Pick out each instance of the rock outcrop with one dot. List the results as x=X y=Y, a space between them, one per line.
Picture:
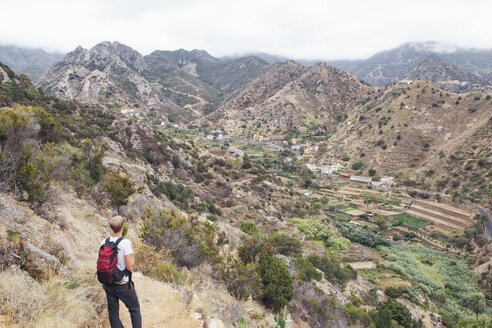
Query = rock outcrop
x=108 y=71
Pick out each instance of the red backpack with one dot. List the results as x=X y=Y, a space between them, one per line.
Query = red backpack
x=107 y=270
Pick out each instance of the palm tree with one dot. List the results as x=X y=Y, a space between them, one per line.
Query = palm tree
x=476 y=303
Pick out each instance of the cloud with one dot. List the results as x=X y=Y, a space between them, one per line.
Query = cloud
x=298 y=29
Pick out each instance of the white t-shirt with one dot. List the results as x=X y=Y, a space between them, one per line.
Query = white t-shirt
x=124 y=248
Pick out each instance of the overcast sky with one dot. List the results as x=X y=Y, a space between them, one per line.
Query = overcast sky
x=302 y=29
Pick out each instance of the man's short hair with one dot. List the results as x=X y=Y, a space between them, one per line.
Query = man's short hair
x=116 y=223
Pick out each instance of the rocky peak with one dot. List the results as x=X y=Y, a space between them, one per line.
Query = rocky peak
x=79 y=55
x=109 y=50
x=109 y=71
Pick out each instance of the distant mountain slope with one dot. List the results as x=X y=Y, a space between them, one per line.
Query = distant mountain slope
x=269 y=58
x=88 y=75
x=195 y=79
x=182 y=83
x=389 y=66
x=32 y=62
x=429 y=137
x=108 y=73
x=175 y=74
x=445 y=75
x=291 y=97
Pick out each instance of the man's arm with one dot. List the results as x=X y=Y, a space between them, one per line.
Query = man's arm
x=130 y=262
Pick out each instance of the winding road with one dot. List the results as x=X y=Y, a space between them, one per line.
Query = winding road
x=487 y=223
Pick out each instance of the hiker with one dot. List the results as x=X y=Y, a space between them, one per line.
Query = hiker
x=115 y=272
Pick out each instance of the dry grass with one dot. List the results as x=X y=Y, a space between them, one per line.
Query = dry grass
x=160 y=304
x=49 y=304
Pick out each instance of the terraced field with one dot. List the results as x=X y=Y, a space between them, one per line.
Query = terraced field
x=442 y=215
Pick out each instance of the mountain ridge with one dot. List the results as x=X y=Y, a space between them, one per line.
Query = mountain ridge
x=389 y=66
x=30 y=61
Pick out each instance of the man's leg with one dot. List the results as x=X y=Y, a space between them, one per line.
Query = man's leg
x=113 y=308
x=128 y=296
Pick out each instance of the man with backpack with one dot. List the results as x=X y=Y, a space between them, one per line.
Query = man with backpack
x=114 y=270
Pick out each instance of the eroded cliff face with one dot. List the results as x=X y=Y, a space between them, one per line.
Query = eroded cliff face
x=108 y=71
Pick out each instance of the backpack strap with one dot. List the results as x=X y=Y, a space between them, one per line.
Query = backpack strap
x=117 y=241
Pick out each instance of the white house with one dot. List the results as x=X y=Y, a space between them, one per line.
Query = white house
x=327 y=170
x=129 y=112
x=311 y=167
x=388 y=180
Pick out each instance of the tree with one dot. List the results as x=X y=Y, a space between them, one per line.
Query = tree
x=372 y=172
x=357 y=165
x=277 y=282
x=283 y=244
x=119 y=189
x=241 y=279
x=398 y=312
x=249 y=228
x=251 y=247
x=382 y=318
x=476 y=303
x=381 y=224
x=176 y=161
x=306 y=270
x=307 y=182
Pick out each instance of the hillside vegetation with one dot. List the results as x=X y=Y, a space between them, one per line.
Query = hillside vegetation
x=240 y=231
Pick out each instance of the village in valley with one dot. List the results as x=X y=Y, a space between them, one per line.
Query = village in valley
x=369 y=201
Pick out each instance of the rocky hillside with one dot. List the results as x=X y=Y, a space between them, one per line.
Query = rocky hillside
x=217 y=233
x=178 y=84
x=389 y=66
x=32 y=62
x=445 y=76
x=432 y=138
x=294 y=97
x=107 y=73
x=194 y=79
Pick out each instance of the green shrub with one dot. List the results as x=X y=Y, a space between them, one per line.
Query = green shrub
x=277 y=283
x=119 y=189
x=241 y=280
x=283 y=244
x=306 y=270
x=176 y=161
x=177 y=193
x=357 y=165
x=332 y=269
x=251 y=247
x=398 y=311
x=356 y=314
x=249 y=228
x=382 y=318
x=33 y=176
x=394 y=292
x=314 y=229
x=190 y=242
x=167 y=272
x=361 y=236
x=212 y=208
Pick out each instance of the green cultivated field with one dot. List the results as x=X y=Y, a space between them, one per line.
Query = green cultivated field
x=412 y=220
